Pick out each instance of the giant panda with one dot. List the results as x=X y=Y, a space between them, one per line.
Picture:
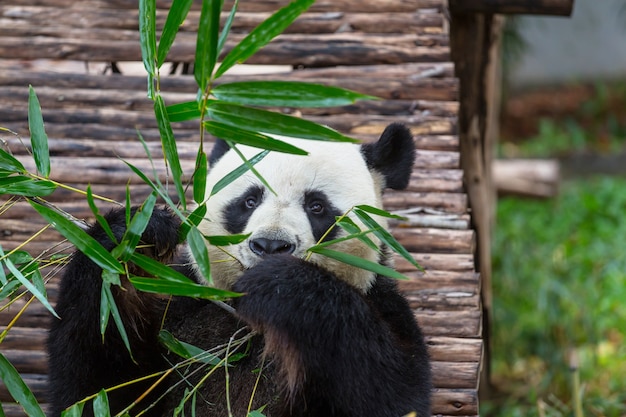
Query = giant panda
x=320 y=338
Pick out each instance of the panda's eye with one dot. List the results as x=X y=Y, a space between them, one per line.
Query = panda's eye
x=316 y=207
x=250 y=202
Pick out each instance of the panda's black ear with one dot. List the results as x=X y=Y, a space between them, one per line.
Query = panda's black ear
x=392 y=155
x=219 y=149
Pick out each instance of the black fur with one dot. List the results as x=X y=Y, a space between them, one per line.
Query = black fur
x=238 y=211
x=320 y=219
x=329 y=349
x=219 y=149
x=392 y=155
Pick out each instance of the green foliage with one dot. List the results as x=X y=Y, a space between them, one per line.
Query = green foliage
x=559 y=289
x=599 y=125
x=18 y=390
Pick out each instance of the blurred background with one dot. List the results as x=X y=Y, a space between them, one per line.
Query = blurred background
x=559 y=252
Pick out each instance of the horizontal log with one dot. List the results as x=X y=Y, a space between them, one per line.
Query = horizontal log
x=25 y=338
x=436 y=97
x=436 y=221
x=437 y=142
x=437 y=261
x=460 y=323
x=454 y=402
x=436 y=240
x=444 y=280
x=444 y=300
x=317 y=22
x=408 y=6
x=90 y=148
x=295 y=50
x=408 y=71
x=426 y=159
x=455 y=374
x=443 y=202
x=454 y=349
x=541 y=7
x=27 y=361
x=539 y=178
x=448 y=180
x=115 y=124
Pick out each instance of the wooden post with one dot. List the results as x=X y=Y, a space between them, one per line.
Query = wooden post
x=543 y=7
x=475 y=44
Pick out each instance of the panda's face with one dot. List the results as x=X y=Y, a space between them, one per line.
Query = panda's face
x=307 y=194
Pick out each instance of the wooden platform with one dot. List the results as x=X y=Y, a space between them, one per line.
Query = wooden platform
x=398 y=51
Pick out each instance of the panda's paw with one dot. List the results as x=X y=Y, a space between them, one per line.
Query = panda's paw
x=159 y=239
x=161 y=236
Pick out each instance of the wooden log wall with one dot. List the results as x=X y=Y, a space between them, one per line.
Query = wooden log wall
x=399 y=51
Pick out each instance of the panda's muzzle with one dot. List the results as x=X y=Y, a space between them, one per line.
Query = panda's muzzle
x=263 y=246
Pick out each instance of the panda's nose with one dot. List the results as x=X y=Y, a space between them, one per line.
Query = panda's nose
x=263 y=246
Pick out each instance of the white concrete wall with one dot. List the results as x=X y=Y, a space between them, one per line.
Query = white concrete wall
x=590 y=44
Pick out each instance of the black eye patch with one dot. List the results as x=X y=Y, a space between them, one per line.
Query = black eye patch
x=238 y=211
x=321 y=214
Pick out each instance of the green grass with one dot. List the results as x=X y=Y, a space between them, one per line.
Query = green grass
x=559 y=286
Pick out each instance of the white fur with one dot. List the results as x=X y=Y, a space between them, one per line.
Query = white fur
x=336 y=169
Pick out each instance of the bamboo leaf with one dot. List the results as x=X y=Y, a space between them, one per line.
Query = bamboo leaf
x=83 y=242
x=75 y=410
x=8 y=163
x=181 y=112
x=20 y=185
x=105 y=308
x=99 y=218
x=147 y=37
x=39 y=295
x=197 y=244
x=194 y=219
x=157 y=269
x=237 y=172
x=18 y=389
x=386 y=237
x=114 y=311
x=188 y=289
x=186 y=350
x=175 y=18
x=286 y=94
x=169 y=147
x=263 y=34
x=101 y=405
x=353 y=230
x=250 y=138
x=38 y=137
x=271 y=122
x=206 y=44
x=227 y=25
x=135 y=229
x=199 y=177
x=227 y=240
x=379 y=212
x=155 y=187
x=358 y=262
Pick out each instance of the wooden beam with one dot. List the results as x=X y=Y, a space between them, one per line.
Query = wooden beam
x=541 y=7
